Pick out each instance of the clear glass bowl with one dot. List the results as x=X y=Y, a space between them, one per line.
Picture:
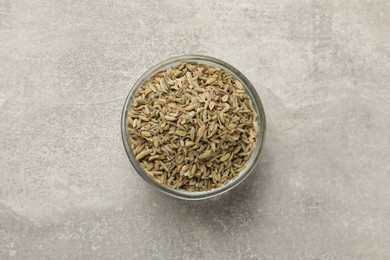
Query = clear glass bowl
x=257 y=105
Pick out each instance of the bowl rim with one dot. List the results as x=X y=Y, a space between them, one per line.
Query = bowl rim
x=256 y=102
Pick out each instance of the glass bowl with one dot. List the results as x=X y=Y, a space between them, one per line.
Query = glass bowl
x=257 y=105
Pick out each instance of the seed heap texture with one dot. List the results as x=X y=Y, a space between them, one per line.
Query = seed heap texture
x=192 y=127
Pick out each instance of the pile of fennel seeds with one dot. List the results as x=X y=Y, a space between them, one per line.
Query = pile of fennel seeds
x=192 y=127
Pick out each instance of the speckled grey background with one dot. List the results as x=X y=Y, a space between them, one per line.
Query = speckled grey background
x=321 y=190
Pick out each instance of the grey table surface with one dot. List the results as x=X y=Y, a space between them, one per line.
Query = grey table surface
x=320 y=191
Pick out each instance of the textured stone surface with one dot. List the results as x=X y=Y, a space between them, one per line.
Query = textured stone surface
x=321 y=190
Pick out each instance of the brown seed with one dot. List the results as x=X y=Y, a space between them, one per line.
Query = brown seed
x=213 y=146
x=256 y=126
x=225 y=157
x=201 y=131
x=143 y=154
x=170 y=118
x=155 y=141
x=192 y=133
x=213 y=132
x=153 y=157
x=143 y=118
x=211 y=105
x=239 y=85
x=135 y=123
x=181 y=133
x=189 y=143
x=146 y=134
x=200 y=124
x=211 y=80
x=190 y=107
x=205 y=154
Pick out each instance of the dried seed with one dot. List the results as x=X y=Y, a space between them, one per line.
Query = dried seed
x=200 y=122
x=211 y=80
x=205 y=154
x=226 y=108
x=211 y=105
x=239 y=85
x=143 y=154
x=190 y=143
x=135 y=123
x=153 y=157
x=170 y=118
x=140 y=102
x=191 y=114
x=213 y=132
x=190 y=107
x=146 y=134
x=256 y=126
x=213 y=147
x=155 y=141
x=244 y=154
x=192 y=133
x=153 y=88
x=193 y=169
x=209 y=71
x=225 y=157
x=181 y=133
x=201 y=131
x=143 y=118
